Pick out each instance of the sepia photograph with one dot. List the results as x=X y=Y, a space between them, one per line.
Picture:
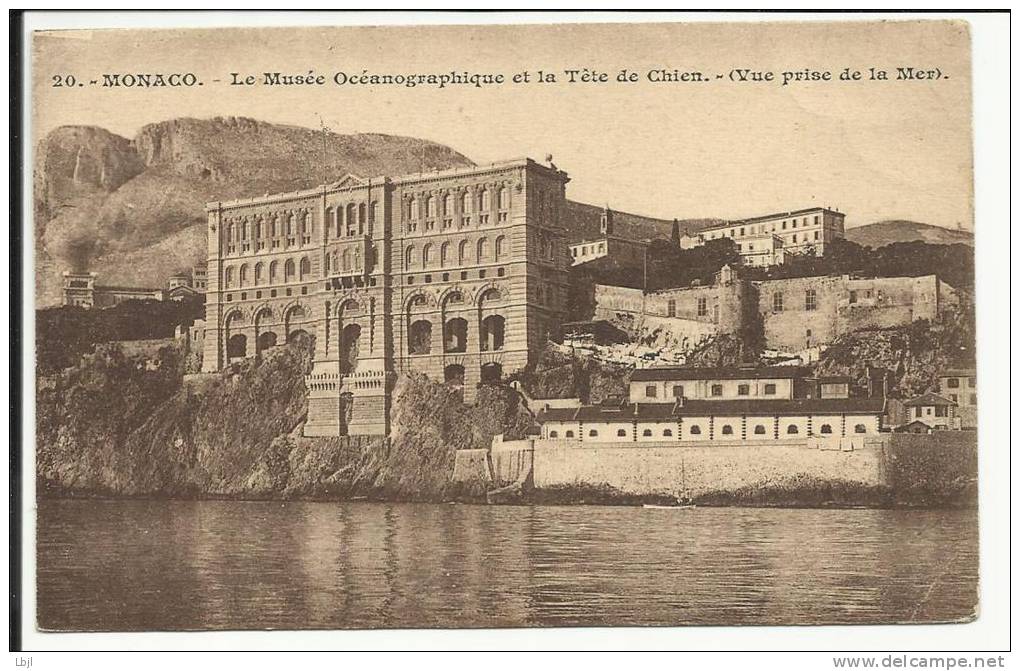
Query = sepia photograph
x=498 y=325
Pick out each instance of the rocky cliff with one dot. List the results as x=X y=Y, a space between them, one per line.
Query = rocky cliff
x=124 y=422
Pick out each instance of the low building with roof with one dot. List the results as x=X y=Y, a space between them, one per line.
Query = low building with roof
x=708 y=420
x=933 y=410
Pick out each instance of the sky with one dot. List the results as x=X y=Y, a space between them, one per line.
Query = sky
x=873 y=149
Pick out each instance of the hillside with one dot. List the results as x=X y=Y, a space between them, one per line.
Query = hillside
x=582 y=223
x=884 y=233
x=102 y=200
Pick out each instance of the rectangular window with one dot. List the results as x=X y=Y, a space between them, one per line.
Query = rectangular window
x=940 y=411
x=743 y=389
x=809 y=300
x=954 y=398
x=716 y=390
x=853 y=296
x=770 y=389
x=678 y=391
x=671 y=308
x=777 y=302
x=973 y=399
x=953 y=383
x=702 y=307
x=917 y=411
x=971 y=382
x=816 y=220
x=650 y=391
x=816 y=235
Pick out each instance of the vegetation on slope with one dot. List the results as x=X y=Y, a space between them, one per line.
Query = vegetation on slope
x=64 y=333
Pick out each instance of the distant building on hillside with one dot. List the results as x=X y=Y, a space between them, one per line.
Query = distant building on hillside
x=768 y=240
x=608 y=244
x=81 y=289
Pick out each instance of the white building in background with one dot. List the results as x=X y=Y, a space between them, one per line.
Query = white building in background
x=768 y=239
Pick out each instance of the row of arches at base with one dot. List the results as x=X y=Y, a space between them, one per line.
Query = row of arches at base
x=491 y=335
x=237 y=344
x=454 y=374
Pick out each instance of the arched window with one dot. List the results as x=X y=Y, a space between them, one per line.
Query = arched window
x=483 y=200
x=695 y=430
x=242 y=275
x=228 y=232
x=792 y=429
x=444 y=253
x=275 y=226
x=290 y=225
x=621 y=433
x=259 y=230
x=667 y=433
x=338 y=215
x=274 y=271
x=306 y=267
x=593 y=433
x=345 y=260
x=462 y=252
x=420 y=337
x=500 y=247
x=825 y=429
x=306 y=220
x=491 y=333
x=759 y=430
x=430 y=207
x=326 y=263
x=259 y=273
x=409 y=257
x=554 y=434
x=412 y=208
x=504 y=198
x=860 y=428
x=569 y=434
x=727 y=430
x=465 y=203
x=244 y=229
x=362 y=218
x=647 y=433
x=447 y=205
x=374 y=211
x=357 y=258
x=228 y=277
x=483 y=250
x=288 y=270
x=427 y=255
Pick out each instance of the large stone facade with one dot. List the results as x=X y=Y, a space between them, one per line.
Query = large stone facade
x=795 y=313
x=458 y=274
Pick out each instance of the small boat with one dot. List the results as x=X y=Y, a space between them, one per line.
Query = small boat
x=683 y=499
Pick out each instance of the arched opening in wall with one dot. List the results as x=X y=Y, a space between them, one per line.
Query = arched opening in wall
x=792 y=429
x=266 y=341
x=860 y=428
x=491 y=373
x=237 y=347
x=295 y=313
x=759 y=430
x=454 y=374
x=826 y=429
x=455 y=335
x=300 y=338
x=350 y=343
x=419 y=337
x=727 y=430
x=491 y=334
